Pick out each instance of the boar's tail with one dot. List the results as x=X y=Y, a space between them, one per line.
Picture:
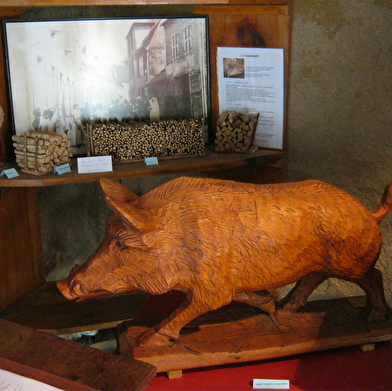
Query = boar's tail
x=385 y=204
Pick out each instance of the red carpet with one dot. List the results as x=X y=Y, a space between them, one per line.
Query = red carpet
x=343 y=369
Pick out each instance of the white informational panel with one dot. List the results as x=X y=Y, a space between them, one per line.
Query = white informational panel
x=13 y=382
x=251 y=80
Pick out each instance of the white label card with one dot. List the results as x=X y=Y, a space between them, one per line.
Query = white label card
x=268 y=384
x=94 y=164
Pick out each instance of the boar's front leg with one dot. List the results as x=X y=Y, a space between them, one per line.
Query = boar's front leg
x=168 y=331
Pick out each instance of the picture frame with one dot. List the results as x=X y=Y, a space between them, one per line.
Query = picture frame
x=63 y=74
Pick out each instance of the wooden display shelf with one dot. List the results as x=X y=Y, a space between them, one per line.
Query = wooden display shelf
x=211 y=161
x=271 y=18
x=237 y=334
x=22 y=262
x=66 y=364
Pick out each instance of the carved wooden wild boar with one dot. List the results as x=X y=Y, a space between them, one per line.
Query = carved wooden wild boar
x=219 y=241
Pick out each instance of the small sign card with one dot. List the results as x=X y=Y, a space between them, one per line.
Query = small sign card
x=265 y=384
x=88 y=165
x=62 y=169
x=10 y=173
x=150 y=161
x=14 y=382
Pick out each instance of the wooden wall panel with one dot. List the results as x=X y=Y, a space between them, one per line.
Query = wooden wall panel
x=21 y=257
x=271 y=22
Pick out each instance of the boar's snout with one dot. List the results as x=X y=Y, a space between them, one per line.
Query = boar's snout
x=65 y=290
x=74 y=290
x=67 y=286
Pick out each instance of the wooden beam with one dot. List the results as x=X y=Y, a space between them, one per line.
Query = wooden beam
x=68 y=365
x=32 y=3
x=243 y=9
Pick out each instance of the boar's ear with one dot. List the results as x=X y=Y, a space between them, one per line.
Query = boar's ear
x=117 y=191
x=120 y=200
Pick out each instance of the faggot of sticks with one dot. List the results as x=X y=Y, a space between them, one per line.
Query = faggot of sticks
x=136 y=141
x=235 y=132
x=39 y=152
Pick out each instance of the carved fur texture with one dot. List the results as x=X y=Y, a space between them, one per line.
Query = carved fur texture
x=219 y=241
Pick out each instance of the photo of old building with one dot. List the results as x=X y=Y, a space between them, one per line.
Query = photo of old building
x=64 y=74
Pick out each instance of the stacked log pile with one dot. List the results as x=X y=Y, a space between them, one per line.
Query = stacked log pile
x=136 y=141
x=235 y=132
x=39 y=152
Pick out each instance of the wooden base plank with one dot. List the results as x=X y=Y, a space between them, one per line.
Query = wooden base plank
x=35 y=172
x=66 y=364
x=252 y=335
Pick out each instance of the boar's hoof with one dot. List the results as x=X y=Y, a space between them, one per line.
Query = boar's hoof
x=377 y=314
x=288 y=306
x=150 y=338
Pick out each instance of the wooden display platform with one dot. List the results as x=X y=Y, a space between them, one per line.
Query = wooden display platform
x=236 y=334
x=46 y=309
x=211 y=161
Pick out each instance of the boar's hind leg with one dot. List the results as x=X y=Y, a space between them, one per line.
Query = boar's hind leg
x=261 y=299
x=298 y=296
x=376 y=306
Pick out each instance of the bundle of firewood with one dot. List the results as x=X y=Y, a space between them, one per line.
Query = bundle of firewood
x=235 y=132
x=39 y=152
x=136 y=141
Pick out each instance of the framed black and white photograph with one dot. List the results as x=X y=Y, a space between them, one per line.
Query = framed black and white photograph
x=64 y=74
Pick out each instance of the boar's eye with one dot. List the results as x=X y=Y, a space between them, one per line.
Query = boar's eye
x=121 y=246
